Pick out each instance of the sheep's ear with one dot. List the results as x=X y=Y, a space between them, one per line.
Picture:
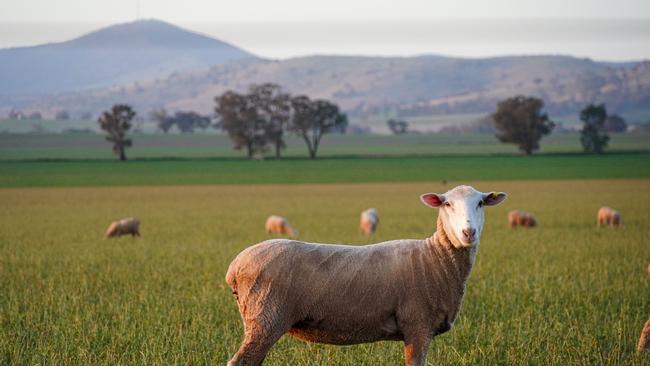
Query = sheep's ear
x=493 y=198
x=432 y=199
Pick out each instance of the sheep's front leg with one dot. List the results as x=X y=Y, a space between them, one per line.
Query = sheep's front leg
x=416 y=347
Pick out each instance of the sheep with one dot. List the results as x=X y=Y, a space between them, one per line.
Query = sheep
x=609 y=216
x=121 y=227
x=369 y=221
x=279 y=225
x=521 y=218
x=648 y=268
x=406 y=290
x=644 y=339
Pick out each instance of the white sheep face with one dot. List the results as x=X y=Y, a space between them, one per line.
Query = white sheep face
x=461 y=210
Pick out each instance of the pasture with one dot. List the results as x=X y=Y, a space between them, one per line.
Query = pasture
x=189 y=146
x=565 y=293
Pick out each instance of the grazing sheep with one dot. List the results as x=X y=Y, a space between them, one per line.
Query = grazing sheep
x=521 y=218
x=279 y=225
x=408 y=290
x=609 y=216
x=644 y=340
x=126 y=226
x=648 y=268
x=369 y=221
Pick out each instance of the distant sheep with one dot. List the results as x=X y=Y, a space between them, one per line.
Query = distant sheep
x=128 y=226
x=406 y=290
x=369 y=221
x=609 y=216
x=521 y=218
x=648 y=268
x=280 y=226
x=644 y=340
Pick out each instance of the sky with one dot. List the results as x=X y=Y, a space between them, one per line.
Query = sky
x=607 y=30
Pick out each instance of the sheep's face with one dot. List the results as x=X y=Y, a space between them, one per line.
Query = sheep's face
x=461 y=210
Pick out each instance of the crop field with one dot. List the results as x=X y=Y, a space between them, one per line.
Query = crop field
x=565 y=293
x=93 y=146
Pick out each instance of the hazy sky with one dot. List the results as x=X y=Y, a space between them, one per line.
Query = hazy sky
x=600 y=29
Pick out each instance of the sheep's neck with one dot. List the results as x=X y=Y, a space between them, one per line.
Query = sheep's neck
x=447 y=245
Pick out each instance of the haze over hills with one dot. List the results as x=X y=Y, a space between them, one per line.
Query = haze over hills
x=118 y=54
x=362 y=86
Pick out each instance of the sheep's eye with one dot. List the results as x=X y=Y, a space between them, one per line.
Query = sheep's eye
x=447 y=204
x=480 y=204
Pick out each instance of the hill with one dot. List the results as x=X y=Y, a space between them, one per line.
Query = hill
x=117 y=54
x=407 y=87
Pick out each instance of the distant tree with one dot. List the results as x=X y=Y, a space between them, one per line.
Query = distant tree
x=163 y=121
x=274 y=107
x=397 y=127
x=313 y=119
x=520 y=120
x=86 y=116
x=186 y=122
x=35 y=115
x=593 y=136
x=117 y=123
x=615 y=123
x=239 y=118
x=15 y=114
x=62 y=115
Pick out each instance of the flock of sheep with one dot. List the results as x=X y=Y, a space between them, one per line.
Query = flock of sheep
x=328 y=293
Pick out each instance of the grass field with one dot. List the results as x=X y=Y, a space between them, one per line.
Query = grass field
x=563 y=294
x=89 y=146
x=332 y=170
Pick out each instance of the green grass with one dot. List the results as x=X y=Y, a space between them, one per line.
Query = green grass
x=562 y=294
x=333 y=170
x=89 y=146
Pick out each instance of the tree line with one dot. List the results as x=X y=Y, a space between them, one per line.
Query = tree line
x=254 y=120
x=520 y=120
x=262 y=117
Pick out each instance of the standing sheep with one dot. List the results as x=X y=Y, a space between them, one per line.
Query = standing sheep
x=609 y=216
x=521 y=218
x=128 y=226
x=328 y=293
x=644 y=340
x=369 y=221
x=279 y=225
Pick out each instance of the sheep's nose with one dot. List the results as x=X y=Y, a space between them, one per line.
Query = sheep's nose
x=469 y=233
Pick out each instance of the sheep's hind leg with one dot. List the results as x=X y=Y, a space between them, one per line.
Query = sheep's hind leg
x=258 y=340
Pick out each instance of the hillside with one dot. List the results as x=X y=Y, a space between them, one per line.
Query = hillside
x=118 y=54
x=367 y=86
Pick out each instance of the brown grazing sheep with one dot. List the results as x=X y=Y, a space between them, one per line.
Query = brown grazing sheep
x=521 y=218
x=128 y=226
x=644 y=340
x=280 y=226
x=369 y=221
x=406 y=290
x=609 y=216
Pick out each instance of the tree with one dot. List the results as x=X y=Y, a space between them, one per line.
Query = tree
x=273 y=106
x=239 y=118
x=615 y=123
x=313 y=119
x=186 y=122
x=86 y=116
x=35 y=115
x=117 y=123
x=520 y=120
x=163 y=121
x=593 y=136
x=62 y=115
x=397 y=127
